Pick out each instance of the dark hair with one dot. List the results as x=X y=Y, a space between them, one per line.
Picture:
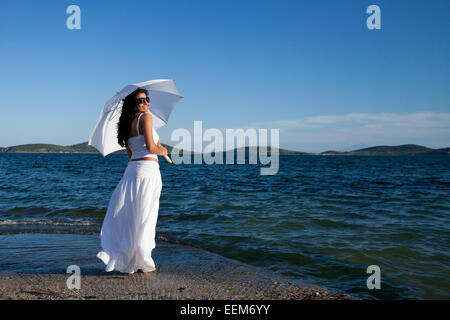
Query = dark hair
x=129 y=109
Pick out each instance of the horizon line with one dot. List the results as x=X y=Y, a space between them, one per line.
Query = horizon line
x=235 y=148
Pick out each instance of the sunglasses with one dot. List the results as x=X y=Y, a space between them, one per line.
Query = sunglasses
x=142 y=100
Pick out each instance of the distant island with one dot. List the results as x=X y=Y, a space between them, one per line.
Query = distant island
x=406 y=149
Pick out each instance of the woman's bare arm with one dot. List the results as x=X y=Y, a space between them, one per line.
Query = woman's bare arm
x=161 y=146
x=148 y=136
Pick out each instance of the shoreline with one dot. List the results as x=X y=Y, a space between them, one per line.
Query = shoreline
x=428 y=154
x=183 y=272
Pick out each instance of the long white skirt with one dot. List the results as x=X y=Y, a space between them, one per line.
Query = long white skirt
x=128 y=229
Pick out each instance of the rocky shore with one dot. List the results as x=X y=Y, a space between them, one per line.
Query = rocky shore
x=182 y=273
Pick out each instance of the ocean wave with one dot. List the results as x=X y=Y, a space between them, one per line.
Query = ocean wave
x=49 y=222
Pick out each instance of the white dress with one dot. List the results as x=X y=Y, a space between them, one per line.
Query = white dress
x=128 y=229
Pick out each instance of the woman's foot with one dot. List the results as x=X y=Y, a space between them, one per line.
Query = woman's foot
x=151 y=270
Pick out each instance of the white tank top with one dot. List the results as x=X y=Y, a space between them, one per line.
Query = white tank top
x=138 y=146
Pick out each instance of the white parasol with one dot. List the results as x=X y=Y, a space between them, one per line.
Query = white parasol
x=163 y=97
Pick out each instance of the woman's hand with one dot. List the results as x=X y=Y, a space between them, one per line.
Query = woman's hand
x=163 y=151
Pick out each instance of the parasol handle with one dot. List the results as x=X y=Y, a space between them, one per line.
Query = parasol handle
x=167 y=158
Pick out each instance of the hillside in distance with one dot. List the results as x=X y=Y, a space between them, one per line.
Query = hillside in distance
x=53 y=148
x=85 y=148
x=406 y=149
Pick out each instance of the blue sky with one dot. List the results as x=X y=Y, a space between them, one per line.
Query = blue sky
x=309 y=68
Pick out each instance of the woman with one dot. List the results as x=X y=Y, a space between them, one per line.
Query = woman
x=128 y=230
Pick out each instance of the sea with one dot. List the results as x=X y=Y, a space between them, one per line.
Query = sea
x=329 y=220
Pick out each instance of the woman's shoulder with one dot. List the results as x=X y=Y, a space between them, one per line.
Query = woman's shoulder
x=146 y=116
